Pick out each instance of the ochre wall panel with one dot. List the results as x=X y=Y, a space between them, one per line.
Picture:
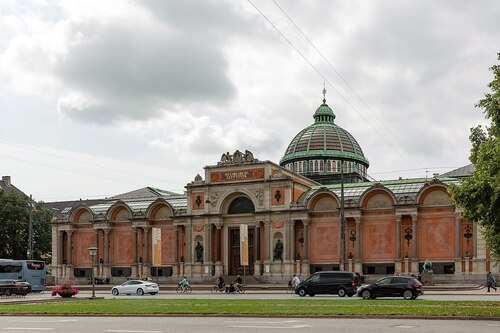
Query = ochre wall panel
x=82 y=240
x=325 y=247
x=296 y=194
x=122 y=247
x=167 y=241
x=378 y=242
x=436 y=237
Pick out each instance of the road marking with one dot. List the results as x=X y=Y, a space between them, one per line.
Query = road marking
x=273 y=327
x=29 y=328
x=263 y=322
x=42 y=321
x=404 y=326
x=277 y=324
x=132 y=331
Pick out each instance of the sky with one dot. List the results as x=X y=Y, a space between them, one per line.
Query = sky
x=98 y=98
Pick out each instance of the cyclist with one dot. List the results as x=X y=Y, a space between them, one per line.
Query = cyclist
x=184 y=282
x=237 y=283
x=295 y=281
x=220 y=283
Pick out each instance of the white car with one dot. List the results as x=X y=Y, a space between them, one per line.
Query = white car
x=138 y=287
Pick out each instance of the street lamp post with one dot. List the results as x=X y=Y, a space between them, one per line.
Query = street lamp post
x=30 y=229
x=93 y=252
x=342 y=218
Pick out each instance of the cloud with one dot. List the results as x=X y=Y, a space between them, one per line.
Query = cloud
x=106 y=68
x=178 y=83
x=197 y=137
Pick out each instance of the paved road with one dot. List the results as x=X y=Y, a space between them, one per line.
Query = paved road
x=235 y=324
x=475 y=295
x=470 y=296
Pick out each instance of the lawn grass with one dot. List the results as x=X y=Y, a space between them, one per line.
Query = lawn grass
x=272 y=307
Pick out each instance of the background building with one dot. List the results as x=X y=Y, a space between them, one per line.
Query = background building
x=315 y=211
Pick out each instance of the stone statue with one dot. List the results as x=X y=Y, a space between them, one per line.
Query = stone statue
x=278 y=251
x=248 y=156
x=199 y=252
x=226 y=158
x=427 y=266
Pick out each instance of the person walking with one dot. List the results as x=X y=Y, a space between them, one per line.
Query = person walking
x=491 y=282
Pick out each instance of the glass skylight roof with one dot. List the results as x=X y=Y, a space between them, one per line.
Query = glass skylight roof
x=400 y=188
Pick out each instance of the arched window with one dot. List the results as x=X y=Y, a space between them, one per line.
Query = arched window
x=241 y=205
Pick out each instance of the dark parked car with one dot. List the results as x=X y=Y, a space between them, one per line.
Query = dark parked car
x=24 y=287
x=13 y=287
x=393 y=286
x=329 y=282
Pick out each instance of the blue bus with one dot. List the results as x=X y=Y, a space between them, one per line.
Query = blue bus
x=31 y=271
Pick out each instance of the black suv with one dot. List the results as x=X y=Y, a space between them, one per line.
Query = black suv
x=393 y=286
x=329 y=282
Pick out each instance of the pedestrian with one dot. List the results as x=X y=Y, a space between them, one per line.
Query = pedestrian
x=491 y=282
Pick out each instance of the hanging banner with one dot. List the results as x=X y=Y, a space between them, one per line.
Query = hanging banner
x=243 y=245
x=156 y=238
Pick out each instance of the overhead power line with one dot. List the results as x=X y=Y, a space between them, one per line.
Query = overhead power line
x=329 y=83
x=346 y=83
x=82 y=162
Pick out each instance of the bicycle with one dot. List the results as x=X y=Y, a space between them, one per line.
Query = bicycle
x=239 y=289
x=290 y=289
x=217 y=289
x=184 y=289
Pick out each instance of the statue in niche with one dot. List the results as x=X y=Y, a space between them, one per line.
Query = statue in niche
x=199 y=252
x=427 y=266
x=278 y=251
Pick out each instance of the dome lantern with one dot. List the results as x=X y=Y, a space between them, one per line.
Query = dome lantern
x=323 y=150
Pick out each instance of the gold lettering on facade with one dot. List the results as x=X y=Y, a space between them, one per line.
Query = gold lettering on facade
x=237 y=175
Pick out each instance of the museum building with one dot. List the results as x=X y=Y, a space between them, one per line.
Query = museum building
x=315 y=210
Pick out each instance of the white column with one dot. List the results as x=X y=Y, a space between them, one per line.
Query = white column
x=292 y=241
x=134 y=263
x=358 y=261
x=414 y=264
x=398 y=244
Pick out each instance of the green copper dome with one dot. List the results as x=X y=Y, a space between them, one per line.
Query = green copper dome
x=318 y=151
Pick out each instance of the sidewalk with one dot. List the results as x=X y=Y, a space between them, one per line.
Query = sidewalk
x=456 y=289
x=438 y=289
x=466 y=289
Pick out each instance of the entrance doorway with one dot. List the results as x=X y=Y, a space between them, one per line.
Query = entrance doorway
x=235 y=267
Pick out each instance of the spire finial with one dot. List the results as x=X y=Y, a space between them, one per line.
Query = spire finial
x=324 y=93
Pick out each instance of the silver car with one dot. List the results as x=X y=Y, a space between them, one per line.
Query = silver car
x=138 y=287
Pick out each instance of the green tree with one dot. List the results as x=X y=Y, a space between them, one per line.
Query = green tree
x=14 y=227
x=479 y=194
x=42 y=232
